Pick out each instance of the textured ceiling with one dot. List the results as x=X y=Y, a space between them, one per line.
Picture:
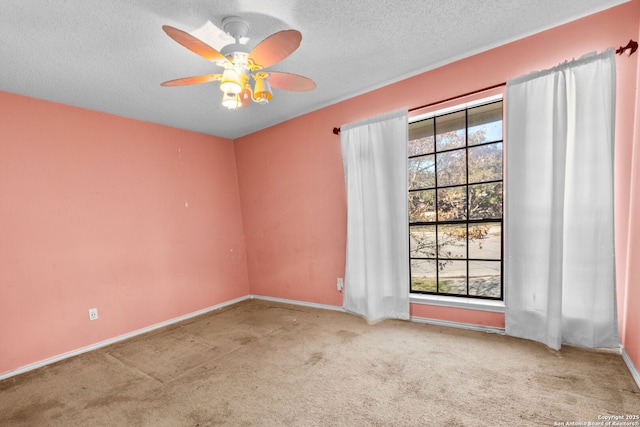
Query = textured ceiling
x=111 y=56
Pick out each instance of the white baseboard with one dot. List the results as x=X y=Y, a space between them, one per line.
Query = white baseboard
x=123 y=337
x=459 y=325
x=437 y=322
x=302 y=303
x=630 y=365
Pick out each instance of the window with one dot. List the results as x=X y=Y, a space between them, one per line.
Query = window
x=455 y=203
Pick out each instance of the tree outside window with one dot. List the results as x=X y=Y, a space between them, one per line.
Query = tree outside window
x=455 y=203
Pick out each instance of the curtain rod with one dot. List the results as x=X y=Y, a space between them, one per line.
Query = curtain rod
x=631 y=47
x=336 y=131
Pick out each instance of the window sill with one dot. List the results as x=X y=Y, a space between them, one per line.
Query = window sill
x=457 y=302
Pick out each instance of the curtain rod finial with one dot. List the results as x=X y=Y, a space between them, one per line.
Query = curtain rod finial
x=336 y=131
x=632 y=46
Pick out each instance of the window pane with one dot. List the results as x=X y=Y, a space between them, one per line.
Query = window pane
x=422 y=172
x=450 y=130
x=422 y=241
x=485 y=201
x=485 y=163
x=421 y=137
x=452 y=204
x=485 y=240
x=455 y=179
x=452 y=168
x=423 y=275
x=453 y=277
x=452 y=241
x=485 y=278
x=422 y=206
x=485 y=123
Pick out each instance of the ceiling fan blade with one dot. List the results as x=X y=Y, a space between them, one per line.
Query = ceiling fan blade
x=194 y=44
x=276 y=47
x=288 y=81
x=192 y=80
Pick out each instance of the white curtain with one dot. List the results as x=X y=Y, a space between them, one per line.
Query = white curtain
x=560 y=270
x=374 y=155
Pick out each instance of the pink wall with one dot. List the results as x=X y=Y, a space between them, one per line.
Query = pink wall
x=139 y=220
x=631 y=296
x=458 y=315
x=292 y=193
x=291 y=179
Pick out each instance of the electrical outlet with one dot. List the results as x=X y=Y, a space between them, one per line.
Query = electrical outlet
x=340 y=283
x=93 y=314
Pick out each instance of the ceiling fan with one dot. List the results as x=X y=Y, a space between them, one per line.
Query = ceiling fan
x=244 y=78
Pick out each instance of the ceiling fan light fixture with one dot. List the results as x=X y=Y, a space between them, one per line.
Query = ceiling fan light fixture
x=262 y=91
x=230 y=82
x=245 y=97
x=240 y=66
x=231 y=100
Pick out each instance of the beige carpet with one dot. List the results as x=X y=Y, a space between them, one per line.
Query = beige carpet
x=269 y=364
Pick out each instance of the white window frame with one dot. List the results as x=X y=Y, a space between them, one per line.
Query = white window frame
x=463 y=302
